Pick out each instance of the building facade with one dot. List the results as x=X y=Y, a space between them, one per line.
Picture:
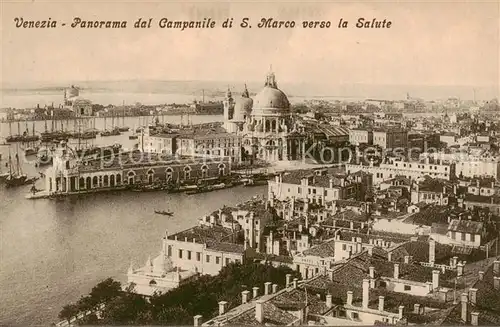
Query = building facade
x=267 y=126
x=71 y=175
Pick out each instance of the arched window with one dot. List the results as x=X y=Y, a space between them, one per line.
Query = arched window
x=204 y=171
x=152 y=282
x=95 y=181
x=105 y=181
x=151 y=175
x=81 y=183
x=112 y=181
x=221 y=169
x=118 y=179
x=169 y=173
x=268 y=126
x=131 y=177
x=89 y=183
x=273 y=126
x=187 y=172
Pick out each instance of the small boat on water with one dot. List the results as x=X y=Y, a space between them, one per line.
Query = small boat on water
x=30 y=152
x=165 y=213
x=113 y=132
x=3 y=176
x=44 y=156
x=205 y=189
x=123 y=129
x=254 y=182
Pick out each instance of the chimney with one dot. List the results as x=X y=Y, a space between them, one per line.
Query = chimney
x=407 y=259
x=259 y=311
x=389 y=256
x=401 y=311
x=474 y=318
x=366 y=292
x=295 y=282
x=244 y=296
x=381 y=303
x=416 y=308
x=349 y=297
x=473 y=295
x=288 y=280
x=435 y=279
x=275 y=288
x=222 y=307
x=255 y=292
x=197 y=320
x=267 y=288
x=481 y=275
x=496 y=267
x=464 y=307
x=432 y=251
x=396 y=271
x=329 y=303
x=496 y=282
x=460 y=269
x=455 y=260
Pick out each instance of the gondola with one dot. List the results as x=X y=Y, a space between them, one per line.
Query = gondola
x=165 y=213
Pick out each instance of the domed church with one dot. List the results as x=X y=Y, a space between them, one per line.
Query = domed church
x=266 y=124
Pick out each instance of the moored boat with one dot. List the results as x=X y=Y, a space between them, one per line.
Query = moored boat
x=163 y=212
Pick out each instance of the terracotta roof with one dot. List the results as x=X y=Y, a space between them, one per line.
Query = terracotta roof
x=323 y=250
x=419 y=250
x=467 y=226
x=482 y=199
x=272 y=315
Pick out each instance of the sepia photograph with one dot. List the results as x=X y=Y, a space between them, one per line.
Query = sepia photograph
x=212 y=163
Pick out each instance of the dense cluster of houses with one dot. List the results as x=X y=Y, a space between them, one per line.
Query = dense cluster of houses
x=408 y=251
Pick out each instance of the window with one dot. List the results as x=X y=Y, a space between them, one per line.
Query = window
x=189 y=255
x=473 y=237
x=407 y=288
x=169 y=251
x=208 y=258
x=180 y=254
x=198 y=256
x=298 y=190
x=344 y=247
x=383 y=284
x=227 y=261
x=463 y=236
x=326 y=193
x=217 y=260
x=354 y=315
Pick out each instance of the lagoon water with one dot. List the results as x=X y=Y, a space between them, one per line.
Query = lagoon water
x=52 y=252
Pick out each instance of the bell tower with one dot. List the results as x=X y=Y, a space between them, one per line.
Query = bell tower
x=228 y=105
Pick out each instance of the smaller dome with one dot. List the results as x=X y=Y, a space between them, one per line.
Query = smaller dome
x=242 y=108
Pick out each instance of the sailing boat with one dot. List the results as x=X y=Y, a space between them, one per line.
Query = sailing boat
x=15 y=178
x=123 y=128
x=32 y=149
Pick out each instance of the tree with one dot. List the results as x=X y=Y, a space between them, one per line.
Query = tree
x=105 y=291
x=86 y=303
x=68 y=312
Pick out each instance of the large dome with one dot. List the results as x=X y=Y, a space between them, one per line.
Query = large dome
x=270 y=100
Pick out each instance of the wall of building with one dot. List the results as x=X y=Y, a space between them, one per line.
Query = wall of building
x=196 y=257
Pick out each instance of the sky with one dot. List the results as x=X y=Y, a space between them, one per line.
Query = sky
x=440 y=43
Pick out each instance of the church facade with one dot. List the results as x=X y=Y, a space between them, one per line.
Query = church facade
x=266 y=124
